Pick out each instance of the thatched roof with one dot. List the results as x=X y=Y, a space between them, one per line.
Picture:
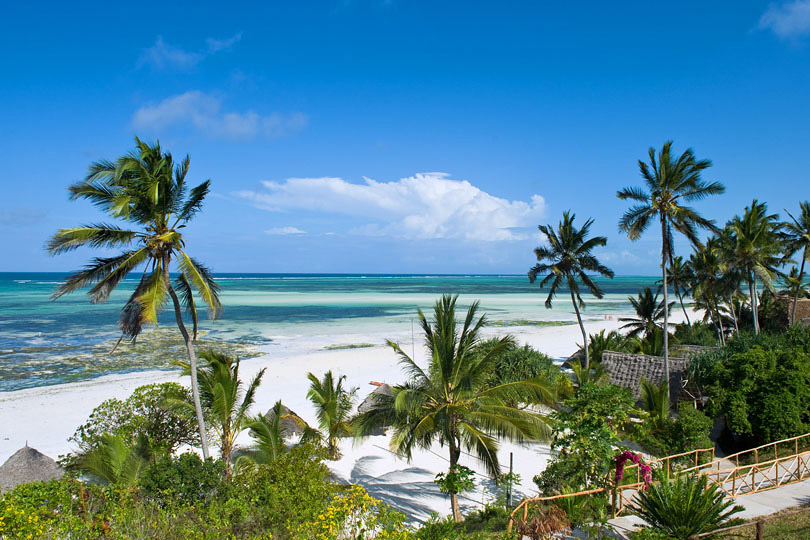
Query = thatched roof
x=291 y=423
x=627 y=370
x=27 y=465
x=370 y=401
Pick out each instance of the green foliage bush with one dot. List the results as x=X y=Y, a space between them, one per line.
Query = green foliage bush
x=586 y=433
x=761 y=384
x=141 y=418
x=185 y=479
x=689 y=431
x=516 y=363
x=697 y=333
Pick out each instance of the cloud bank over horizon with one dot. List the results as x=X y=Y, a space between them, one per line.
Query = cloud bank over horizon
x=425 y=206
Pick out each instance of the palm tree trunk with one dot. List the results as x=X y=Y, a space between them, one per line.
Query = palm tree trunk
x=734 y=315
x=192 y=359
x=664 y=257
x=680 y=299
x=455 y=453
x=720 y=322
x=582 y=329
x=798 y=289
x=752 y=290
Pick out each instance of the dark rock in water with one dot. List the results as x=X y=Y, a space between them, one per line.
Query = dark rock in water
x=28 y=465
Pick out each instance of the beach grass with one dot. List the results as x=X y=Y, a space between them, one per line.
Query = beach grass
x=345 y=346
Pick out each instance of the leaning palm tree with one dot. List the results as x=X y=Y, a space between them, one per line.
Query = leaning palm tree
x=797 y=237
x=148 y=191
x=670 y=183
x=755 y=250
x=649 y=311
x=569 y=256
x=449 y=400
x=225 y=399
x=333 y=406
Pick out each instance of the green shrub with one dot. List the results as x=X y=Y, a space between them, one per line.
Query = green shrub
x=142 y=417
x=697 y=333
x=586 y=433
x=186 y=479
x=685 y=507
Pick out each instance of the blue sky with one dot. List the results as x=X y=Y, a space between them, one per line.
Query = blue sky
x=399 y=136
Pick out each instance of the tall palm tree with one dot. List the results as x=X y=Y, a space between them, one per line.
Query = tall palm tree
x=333 y=406
x=756 y=246
x=148 y=191
x=670 y=183
x=681 y=276
x=449 y=400
x=649 y=311
x=225 y=399
x=569 y=256
x=797 y=236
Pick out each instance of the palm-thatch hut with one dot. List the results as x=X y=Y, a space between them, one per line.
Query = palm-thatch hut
x=372 y=400
x=28 y=465
x=627 y=370
x=291 y=424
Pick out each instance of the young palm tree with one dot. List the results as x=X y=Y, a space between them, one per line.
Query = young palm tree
x=225 y=400
x=797 y=236
x=670 y=183
x=685 y=507
x=450 y=402
x=655 y=401
x=796 y=287
x=649 y=311
x=269 y=433
x=755 y=250
x=333 y=406
x=114 y=461
x=681 y=276
x=147 y=190
x=569 y=256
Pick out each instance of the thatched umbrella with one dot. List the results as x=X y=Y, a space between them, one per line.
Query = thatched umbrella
x=371 y=400
x=291 y=423
x=28 y=465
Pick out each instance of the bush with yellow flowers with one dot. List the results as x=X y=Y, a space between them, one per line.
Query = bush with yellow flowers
x=356 y=515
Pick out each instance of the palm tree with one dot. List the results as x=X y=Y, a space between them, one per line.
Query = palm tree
x=710 y=282
x=755 y=250
x=681 y=276
x=670 y=183
x=796 y=287
x=333 y=406
x=225 y=401
x=685 y=507
x=797 y=236
x=449 y=401
x=569 y=255
x=648 y=312
x=147 y=190
x=113 y=461
x=655 y=401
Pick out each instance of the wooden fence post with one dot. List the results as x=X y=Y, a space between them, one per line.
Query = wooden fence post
x=760 y=526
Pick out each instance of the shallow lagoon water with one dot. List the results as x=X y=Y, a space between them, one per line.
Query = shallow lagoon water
x=46 y=342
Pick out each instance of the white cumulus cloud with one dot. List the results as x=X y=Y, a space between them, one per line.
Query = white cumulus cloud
x=787 y=20
x=162 y=55
x=204 y=112
x=284 y=231
x=423 y=206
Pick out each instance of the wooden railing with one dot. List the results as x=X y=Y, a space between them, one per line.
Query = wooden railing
x=525 y=503
x=752 y=471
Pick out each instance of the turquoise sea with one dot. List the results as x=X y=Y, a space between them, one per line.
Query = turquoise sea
x=45 y=342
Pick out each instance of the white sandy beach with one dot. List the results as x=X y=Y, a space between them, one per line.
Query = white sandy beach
x=45 y=417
